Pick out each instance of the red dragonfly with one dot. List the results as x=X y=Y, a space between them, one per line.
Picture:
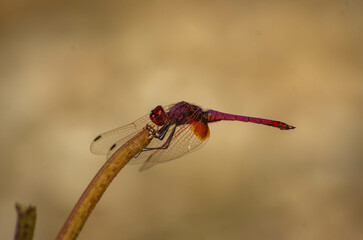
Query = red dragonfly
x=178 y=129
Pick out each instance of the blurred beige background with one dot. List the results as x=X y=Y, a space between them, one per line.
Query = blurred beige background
x=71 y=70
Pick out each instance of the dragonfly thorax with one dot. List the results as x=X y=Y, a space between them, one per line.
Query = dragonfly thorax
x=185 y=113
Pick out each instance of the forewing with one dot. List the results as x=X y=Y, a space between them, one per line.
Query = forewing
x=102 y=143
x=107 y=143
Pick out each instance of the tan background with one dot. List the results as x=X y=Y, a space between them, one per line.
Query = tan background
x=71 y=70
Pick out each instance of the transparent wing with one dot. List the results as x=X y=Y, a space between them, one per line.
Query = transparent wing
x=184 y=141
x=102 y=143
x=115 y=138
x=154 y=144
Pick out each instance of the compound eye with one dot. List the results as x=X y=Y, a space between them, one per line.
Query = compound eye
x=158 y=116
x=159 y=111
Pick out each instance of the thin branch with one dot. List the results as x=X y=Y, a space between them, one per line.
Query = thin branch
x=26 y=222
x=99 y=184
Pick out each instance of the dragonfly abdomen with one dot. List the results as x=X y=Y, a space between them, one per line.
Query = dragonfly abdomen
x=214 y=116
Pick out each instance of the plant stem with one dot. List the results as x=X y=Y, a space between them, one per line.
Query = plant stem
x=26 y=222
x=99 y=184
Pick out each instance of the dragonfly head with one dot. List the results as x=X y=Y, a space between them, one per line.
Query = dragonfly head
x=158 y=116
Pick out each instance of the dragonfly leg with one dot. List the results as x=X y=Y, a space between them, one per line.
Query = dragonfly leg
x=167 y=142
x=162 y=132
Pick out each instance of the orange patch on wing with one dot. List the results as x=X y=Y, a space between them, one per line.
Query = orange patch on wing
x=200 y=129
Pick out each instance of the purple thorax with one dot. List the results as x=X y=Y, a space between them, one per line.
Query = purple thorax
x=182 y=112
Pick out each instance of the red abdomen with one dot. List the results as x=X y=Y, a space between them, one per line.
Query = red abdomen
x=214 y=116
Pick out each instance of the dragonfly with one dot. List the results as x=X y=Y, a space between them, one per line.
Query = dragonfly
x=178 y=129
